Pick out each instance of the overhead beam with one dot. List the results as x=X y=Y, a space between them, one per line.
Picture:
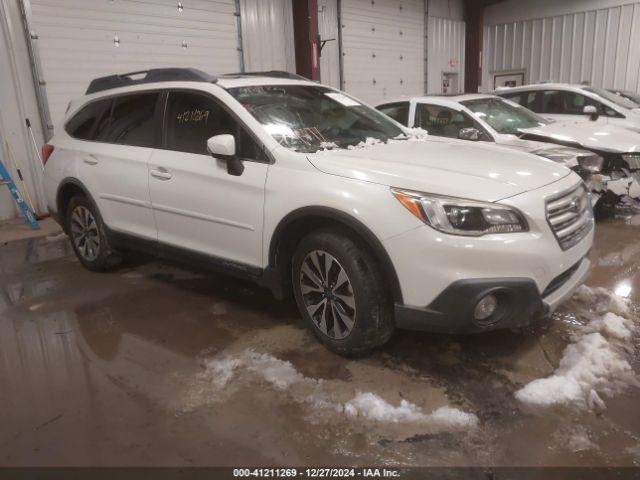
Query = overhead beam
x=474 y=22
x=305 y=35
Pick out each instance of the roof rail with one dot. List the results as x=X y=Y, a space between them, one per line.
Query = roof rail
x=150 y=76
x=270 y=73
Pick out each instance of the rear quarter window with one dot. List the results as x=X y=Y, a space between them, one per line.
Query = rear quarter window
x=398 y=111
x=82 y=125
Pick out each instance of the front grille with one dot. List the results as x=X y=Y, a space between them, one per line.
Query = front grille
x=569 y=215
x=560 y=280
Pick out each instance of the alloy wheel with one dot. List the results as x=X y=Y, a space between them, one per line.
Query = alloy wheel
x=327 y=294
x=84 y=233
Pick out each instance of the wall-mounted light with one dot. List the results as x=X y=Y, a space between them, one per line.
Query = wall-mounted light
x=116 y=40
x=180 y=7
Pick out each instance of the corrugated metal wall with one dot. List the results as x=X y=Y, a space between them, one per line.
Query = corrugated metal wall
x=598 y=46
x=445 y=53
x=81 y=40
x=267 y=35
x=383 y=48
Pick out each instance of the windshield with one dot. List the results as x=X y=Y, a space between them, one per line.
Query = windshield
x=612 y=97
x=308 y=118
x=504 y=116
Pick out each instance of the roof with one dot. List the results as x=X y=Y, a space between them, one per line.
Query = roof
x=542 y=86
x=456 y=98
x=165 y=75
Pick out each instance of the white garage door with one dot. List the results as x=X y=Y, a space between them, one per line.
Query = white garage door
x=383 y=48
x=83 y=39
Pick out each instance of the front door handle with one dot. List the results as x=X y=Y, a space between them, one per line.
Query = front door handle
x=90 y=160
x=161 y=173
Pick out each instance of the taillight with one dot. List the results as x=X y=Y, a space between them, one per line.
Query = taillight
x=47 y=150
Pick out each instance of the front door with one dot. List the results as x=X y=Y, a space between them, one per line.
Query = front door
x=197 y=205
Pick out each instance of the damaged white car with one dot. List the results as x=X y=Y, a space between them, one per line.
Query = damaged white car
x=605 y=156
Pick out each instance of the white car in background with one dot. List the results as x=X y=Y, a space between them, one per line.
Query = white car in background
x=633 y=96
x=607 y=157
x=318 y=197
x=566 y=102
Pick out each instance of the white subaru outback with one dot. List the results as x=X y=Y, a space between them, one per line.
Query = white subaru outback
x=311 y=193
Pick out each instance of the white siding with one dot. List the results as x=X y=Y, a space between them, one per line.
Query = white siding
x=328 y=30
x=445 y=52
x=598 y=45
x=267 y=35
x=17 y=100
x=383 y=48
x=83 y=39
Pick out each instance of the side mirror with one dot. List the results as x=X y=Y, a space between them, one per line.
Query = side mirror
x=471 y=133
x=592 y=111
x=223 y=147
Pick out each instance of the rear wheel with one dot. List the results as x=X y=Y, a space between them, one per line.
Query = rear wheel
x=340 y=293
x=86 y=231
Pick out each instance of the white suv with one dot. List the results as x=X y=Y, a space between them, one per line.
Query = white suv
x=309 y=192
x=566 y=102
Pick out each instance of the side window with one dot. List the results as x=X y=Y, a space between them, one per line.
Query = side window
x=442 y=121
x=553 y=102
x=131 y=121
x=82 y=124
x=576 y=102
x=398 y=111
x=567 y=103
x=192 y=118
x=526 y=99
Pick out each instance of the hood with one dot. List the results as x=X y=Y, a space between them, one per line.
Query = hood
x=443 y=167
x=591 y=135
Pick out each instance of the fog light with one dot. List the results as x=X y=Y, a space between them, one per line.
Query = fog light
x=485 y=307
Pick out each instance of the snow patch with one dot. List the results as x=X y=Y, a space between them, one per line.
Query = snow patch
x=596 y=362
x=417 y=133
x=368 y=142
x=277 y=372
x=373 y=407
x=367 y=405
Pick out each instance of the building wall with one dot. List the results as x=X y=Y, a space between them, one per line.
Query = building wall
x=267 y=35
x=591 y=41
x=445 y=53
x=18 y=102
x=383 y=48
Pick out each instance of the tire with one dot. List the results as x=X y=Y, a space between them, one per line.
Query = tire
x=86 y=231
x=351 y=313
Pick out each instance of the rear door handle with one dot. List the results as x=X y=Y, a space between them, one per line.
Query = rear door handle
x=161 y=173
x=90 y=159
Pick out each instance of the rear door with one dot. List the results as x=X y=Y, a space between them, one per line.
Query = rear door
x=118 y=135
x=197 y=205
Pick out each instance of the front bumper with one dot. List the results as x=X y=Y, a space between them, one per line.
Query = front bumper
x=520 y=303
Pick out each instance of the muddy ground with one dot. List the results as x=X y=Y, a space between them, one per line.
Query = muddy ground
x=155 y=365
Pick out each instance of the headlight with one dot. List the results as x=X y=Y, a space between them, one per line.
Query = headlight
x=633 y=159
x=591 y=163
x=458 y=216
x=573 y=157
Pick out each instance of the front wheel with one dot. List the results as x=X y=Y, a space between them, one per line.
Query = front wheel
x=340 y=292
